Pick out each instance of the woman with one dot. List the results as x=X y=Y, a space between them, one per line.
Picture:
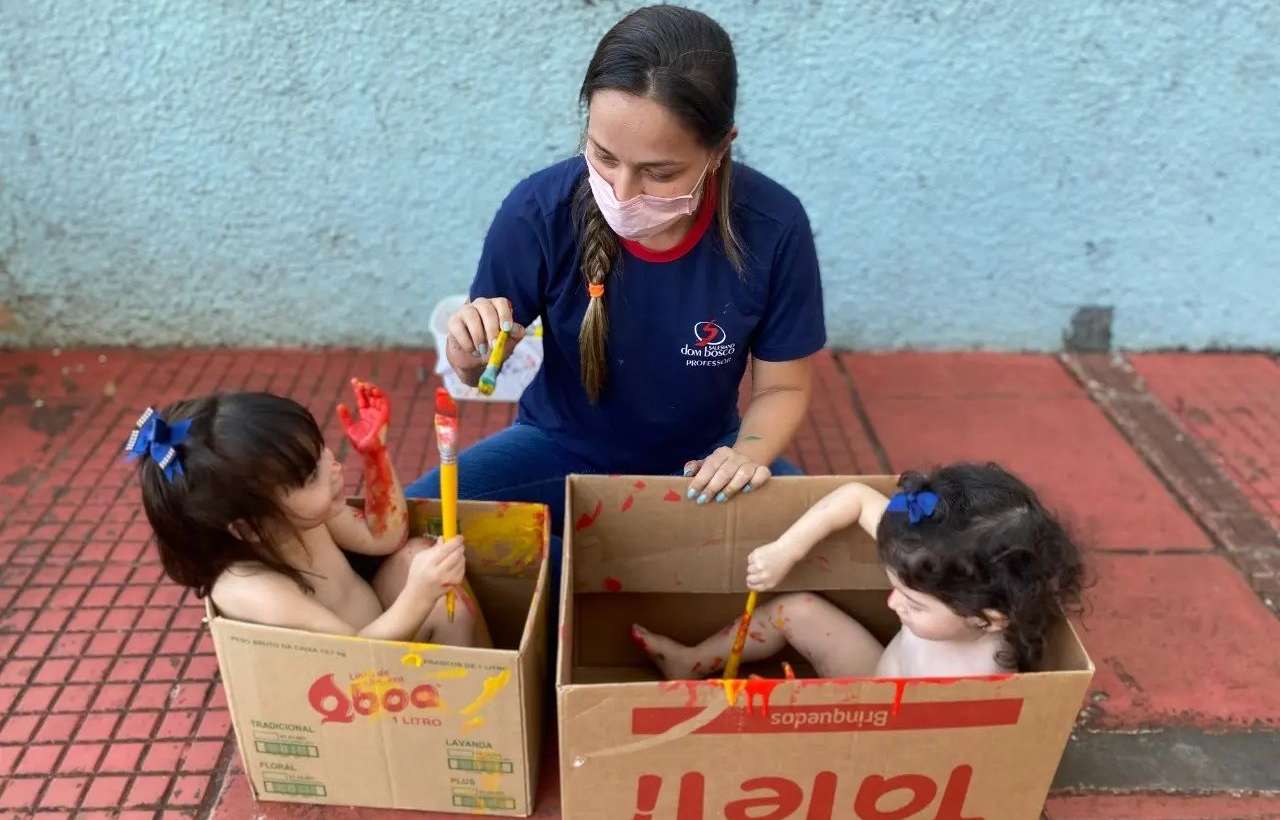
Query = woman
x=658 y=266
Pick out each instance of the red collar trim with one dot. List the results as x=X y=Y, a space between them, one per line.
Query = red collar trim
x=706 y=211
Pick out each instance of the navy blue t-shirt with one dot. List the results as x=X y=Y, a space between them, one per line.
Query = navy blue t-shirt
x=682 y=323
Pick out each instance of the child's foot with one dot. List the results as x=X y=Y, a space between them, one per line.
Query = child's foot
x=674 y=659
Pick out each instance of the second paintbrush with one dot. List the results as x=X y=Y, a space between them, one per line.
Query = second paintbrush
x=489 y=379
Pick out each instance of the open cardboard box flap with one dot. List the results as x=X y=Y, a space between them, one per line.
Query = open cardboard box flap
x=613 y=549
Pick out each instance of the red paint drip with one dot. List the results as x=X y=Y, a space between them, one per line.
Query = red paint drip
x=639 y=485
x=689 y=686
x=586 y=520
x=638 y=640
x=758 y=691
x=612 y=584
x=787 y=672
x=626 y=505
x=757 y=637
x=647 y=789
x=671 y=495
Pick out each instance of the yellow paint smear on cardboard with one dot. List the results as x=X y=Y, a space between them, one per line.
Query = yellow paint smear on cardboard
x=453 y=673
x=492 y=686
x=474 y=723
x=732 y=688
x=508 y=538
x=414 y=658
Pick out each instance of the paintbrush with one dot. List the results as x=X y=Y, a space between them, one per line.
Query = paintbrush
x=739 y=642
x=489 y=379
x=447 y=441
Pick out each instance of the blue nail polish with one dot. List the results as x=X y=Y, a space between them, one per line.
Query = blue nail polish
x=484 y=350
x=721 y=498
x=747 y=489
x=692 y=492
x=688 y=471
x=702 y=499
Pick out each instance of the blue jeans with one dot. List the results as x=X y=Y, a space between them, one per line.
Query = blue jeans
x=522 y=463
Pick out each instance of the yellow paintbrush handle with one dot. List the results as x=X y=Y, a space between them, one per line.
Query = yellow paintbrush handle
x=449 y=514
x=740 y=640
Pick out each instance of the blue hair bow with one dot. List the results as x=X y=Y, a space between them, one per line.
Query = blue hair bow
x=917 y=505
x=155 y=437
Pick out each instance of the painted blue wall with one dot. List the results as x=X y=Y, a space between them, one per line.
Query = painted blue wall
x=316 y=171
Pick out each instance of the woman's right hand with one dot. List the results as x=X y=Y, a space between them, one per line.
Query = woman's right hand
x=436 y=567
x=472 y=331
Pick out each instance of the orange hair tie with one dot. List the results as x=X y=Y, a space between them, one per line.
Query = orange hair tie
x=595 y=290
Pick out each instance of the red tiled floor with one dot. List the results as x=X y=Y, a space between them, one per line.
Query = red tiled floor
x=1027 y=414
x=1180 y=639
x=1162 y=807
x=1232 y=404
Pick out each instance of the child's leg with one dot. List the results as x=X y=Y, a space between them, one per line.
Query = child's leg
x=468 y=627
x=836 y=645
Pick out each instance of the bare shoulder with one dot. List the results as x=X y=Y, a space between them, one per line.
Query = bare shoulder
x=891 y=664
x=255 y=593
x=244 y=589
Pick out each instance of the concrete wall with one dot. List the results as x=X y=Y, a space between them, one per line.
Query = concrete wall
x=319 y=172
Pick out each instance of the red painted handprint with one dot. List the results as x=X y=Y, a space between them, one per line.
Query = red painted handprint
x=368 y=434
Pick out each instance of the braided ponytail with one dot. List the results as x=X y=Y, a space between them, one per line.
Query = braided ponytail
x=599 y=256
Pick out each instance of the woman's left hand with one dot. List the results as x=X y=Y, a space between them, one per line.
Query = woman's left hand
x=724 y=474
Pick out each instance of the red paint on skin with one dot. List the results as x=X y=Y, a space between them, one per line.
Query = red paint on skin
x=612 y=584
x=787 y=671
x=671 y=495
x=377 y=470
x=639 y=485
x=366 y=435
x=626 y=505
x=467 y=601
x=638 y=640
x=586 y=520
x=757 y=637
x=697 y=667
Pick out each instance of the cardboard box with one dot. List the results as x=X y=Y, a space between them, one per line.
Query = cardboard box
x=351 y=721
x=632 y=745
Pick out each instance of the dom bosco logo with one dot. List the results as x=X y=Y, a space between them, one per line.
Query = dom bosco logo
x=711 y=346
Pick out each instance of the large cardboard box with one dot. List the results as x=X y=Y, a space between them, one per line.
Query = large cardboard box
x=351 y=721
x=632 y=745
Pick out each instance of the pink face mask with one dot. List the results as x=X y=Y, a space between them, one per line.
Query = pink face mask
x=643 y=215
